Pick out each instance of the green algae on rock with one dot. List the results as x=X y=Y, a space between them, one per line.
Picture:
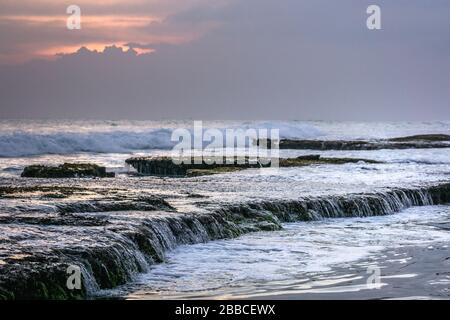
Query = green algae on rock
x=317 y=159
x=423 y=137
x=66 y=170
x=113 y=250
x=164 y=166
x=195 y=166
x=426 y=141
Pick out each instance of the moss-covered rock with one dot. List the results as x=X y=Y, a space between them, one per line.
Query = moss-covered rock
x=66 y=170
x=164 y=166
x=207 y=172
x=109 y=254
x=423 y=137
x=40 y=279
x=409 y=142
x=317 y=159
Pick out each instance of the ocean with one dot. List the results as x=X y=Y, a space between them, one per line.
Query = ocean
x=240 y=234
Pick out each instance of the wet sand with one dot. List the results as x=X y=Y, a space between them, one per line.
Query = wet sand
x=412 y=272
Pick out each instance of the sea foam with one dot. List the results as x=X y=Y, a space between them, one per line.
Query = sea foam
x=35 y=142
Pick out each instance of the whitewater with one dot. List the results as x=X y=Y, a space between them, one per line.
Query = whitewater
x=32 y=137
x=242 y=234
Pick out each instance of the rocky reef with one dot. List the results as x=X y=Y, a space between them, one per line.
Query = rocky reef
x=66 y=170
x=75 y=199
x=423 y=137
x=317 y=159
x=409 y=142
x=165 y=166
x=194 y=166
x=110 y=248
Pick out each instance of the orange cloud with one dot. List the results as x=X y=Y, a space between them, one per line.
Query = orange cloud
x=39 y=31
x=54 y=52
x=105 y=21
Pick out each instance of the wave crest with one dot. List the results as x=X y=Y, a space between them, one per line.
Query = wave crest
x=27 y=144
x=30 y=143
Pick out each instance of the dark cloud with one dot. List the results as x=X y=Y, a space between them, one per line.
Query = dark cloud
x=285 y=59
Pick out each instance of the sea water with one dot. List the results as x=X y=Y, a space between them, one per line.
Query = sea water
x=242 y=266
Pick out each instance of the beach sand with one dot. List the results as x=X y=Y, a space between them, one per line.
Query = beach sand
x=411 y=272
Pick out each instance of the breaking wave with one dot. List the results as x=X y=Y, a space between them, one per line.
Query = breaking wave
x=288 y=130
x=28 y=143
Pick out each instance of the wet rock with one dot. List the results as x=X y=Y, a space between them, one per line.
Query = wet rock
x=317 y=159
x=111 y=249
x=423 y=137
x=140 y=203
x=66 y=170
x=440 y=193
x=37 y=278
x=53 y=220
x=196 y=195
x=43 y=191
x=166 y=167
x=353 y=205
x=207 y=172
x=410 y=142
x=63 y=200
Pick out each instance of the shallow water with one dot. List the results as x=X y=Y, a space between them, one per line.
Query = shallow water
x=271 y=261
x=36 y=221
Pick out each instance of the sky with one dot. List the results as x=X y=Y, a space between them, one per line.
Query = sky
x=225 y=59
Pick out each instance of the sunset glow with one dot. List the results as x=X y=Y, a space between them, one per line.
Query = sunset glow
x=111 y=21
x=38 y=31
x=54 y=52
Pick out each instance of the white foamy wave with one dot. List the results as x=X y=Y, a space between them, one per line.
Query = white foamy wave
x=30 y=143
x=287 y=129
x=27 y=144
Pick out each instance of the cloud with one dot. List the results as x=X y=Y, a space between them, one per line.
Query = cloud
x=38 y=30
x=261 y=59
